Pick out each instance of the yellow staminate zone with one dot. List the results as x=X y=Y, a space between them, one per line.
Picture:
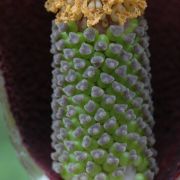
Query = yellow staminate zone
x=95 y=10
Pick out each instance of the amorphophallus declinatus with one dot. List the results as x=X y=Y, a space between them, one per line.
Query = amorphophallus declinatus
x=25 y=64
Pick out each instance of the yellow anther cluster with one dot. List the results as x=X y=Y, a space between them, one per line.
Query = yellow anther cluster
x=96 y=10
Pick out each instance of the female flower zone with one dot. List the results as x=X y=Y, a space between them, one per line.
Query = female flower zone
x=101 y=102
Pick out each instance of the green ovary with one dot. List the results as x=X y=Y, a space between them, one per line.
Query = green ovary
x=101 y=102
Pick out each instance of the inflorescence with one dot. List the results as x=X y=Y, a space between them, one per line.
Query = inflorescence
x=102 y=107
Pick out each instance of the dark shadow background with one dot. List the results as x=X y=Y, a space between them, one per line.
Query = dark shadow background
x=25 y=60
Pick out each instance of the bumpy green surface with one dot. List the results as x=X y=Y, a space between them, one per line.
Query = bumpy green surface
x=102 y=108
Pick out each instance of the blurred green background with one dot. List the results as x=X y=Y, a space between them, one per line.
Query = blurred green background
x=10 y=166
